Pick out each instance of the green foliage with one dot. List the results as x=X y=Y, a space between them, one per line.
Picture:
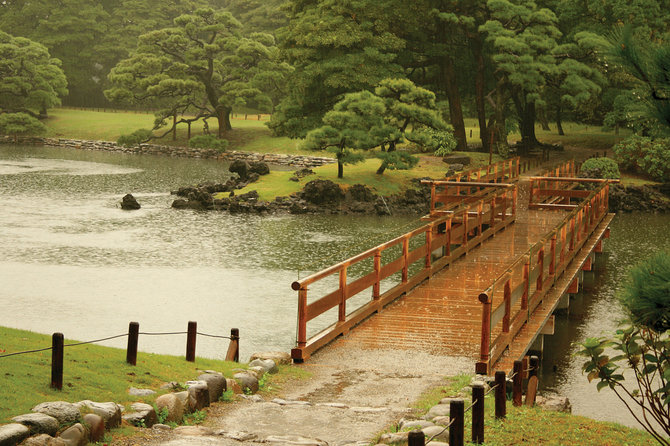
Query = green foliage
x=29 y=77
x=646 y=296
x=227 y=396
x=197 y=417
x=649 y=156
x=16 y=124
x=444 y=141
x=398 y=160
x=208 y=142
x=137 y=137
x=162 y=414
x=643 y=347
x=602 y=167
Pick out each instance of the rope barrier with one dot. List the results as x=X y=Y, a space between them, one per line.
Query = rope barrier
x=490 y=390
x=213 y=336
x=471 y=406
x=97 y=340
x=441 y=432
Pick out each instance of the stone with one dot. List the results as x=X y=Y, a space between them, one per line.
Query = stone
x=13 y=434
x=63 y=411
x=198 y=395
x=456 y=167
x=216 y=384
x=234 y=386
x=438 y=432
x=554 y=403
x=258 y=372
x=283 y=402
x=368 y=409
x=259 y=167
x=110 y=412
x=247 y=381
x=239 y=167
x=322 y=192
x=174 y=406
x=43 y=440
x=442 y=421
x=253 y=398
x=335 y=405
x=129 y=203
x=414 y=424
x=457 y=159
x=448 y=400
x=193 y=431
x=238 y=436
x=394 y=437
x=183 y=397
x=143 y=415
x=96 y=426
x=141 y=392
x=295 y=439
x=441 y=410
x=75 y=435
x=38 y=423
x=161 y=427
x=268 y=365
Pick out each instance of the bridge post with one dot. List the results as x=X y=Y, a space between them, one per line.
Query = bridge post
x=540 y=264
x=429 y=244
x=302 y=317
x=405 y=259
x=552 y=249
x=378 y=270
x=342 y=310
x=508 y=305
x=482 y=367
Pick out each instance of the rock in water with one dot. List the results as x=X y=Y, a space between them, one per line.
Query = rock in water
x=129 y=203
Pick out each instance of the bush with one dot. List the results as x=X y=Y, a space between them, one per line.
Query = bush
x=646 y=155
x=645 y=294
x=16 y=124
x=600 y=168
x=444 y=141
x=135 y=138
x=208 y=142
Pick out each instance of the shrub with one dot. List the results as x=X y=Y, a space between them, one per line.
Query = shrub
x=600 y=168
x=137 y=137
x=16 y=124
x=444 y=141
x=208 y=142
x=646 y=155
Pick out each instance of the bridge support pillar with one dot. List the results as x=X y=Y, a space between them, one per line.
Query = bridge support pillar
x=538 y=347
x=563 y=305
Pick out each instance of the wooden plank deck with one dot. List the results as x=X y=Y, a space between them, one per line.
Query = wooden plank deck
x=443 y=314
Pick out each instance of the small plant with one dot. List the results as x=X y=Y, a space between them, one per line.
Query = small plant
x=135 y=138
x=208 y=142
x=600 y=168
x=227 y=396
x=194 y=418
x=162 y=414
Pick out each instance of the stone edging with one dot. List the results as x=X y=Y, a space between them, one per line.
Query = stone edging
x=174 y=151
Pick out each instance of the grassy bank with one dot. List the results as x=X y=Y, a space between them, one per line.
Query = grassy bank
x=532 y=425
x=90 y=372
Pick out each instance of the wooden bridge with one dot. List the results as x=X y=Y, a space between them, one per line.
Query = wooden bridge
x=499 y=253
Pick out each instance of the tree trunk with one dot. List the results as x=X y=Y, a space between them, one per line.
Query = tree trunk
x=174 y=127
x=340 y=169
x=542 y=117
x=559 y=123
x=480 y=84
x=455 y=109
x=526 y=112
x=382 y=168
x=223 y=117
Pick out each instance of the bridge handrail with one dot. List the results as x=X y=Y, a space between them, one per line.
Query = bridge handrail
x=516 y=282
x=458 y=228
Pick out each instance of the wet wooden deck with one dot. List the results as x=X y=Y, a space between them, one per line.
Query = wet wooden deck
x=443 y=314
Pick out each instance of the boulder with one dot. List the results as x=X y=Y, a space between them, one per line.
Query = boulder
x=456 y=167
x=75 y=435
x=247 y=381
x=142 y=414
x=259 y=167
x=38 y=423
x=193 y=431
x=110 y=412
x=234 y=386
x=436 y=431
x=216 y=383
x=394 y=437
x=13 y=434
x=44 y=440
x=322 y=192
x=258 y=372
x=441 y=410
x=268 y=365
x=141 y=392
x=295 y=440
x=174 y=406
x=198 y=395
x=129 y=203
x=239 y=167
x=554 y=403
x=414 y=424
x=361 y=192
x=96 y=426
x=63 y=411
x=457 y=159
x=183 y=397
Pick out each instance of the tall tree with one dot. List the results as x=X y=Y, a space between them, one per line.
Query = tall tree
x=31 y=81
x=257 y=15
x=202 y=64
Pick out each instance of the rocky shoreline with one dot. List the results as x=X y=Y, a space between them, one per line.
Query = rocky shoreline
x=640 y=198
x=173 y=151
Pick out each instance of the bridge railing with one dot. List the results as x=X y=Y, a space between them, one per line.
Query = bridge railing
x=452 y=235
x=509 y=303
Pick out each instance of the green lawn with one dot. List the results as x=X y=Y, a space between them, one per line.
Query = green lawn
x=90 y=372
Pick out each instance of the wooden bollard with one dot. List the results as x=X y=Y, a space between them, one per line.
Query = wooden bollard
x=534 y=366
x=57 y=350
x=416 y=438
x=233 y=353
x=456 y=422
x=517 y=384
x=478 y=413
x=501 y=395
x=190 y=341
x=133 y=335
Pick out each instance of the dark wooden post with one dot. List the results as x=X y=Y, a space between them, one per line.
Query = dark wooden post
x=456 y=420
x=342 y=308
x=376 y=290
x=478 y=413
x=534 y=366
x=190 y=341
x=517 y=381
x=485 y=349
x=57 y=350
x=233 y=353
x=416 y=438
x=133 y=335
x=501 y=395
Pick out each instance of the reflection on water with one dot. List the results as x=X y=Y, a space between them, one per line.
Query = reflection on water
x=73 y=261
x=595 y=312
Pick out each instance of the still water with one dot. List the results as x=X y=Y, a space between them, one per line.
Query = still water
x=72 y=261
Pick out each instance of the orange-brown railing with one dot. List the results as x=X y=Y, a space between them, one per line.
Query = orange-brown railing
x=453 y=235
x=509 y=303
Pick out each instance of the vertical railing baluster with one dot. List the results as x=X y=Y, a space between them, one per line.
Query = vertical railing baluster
x=342 y=313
